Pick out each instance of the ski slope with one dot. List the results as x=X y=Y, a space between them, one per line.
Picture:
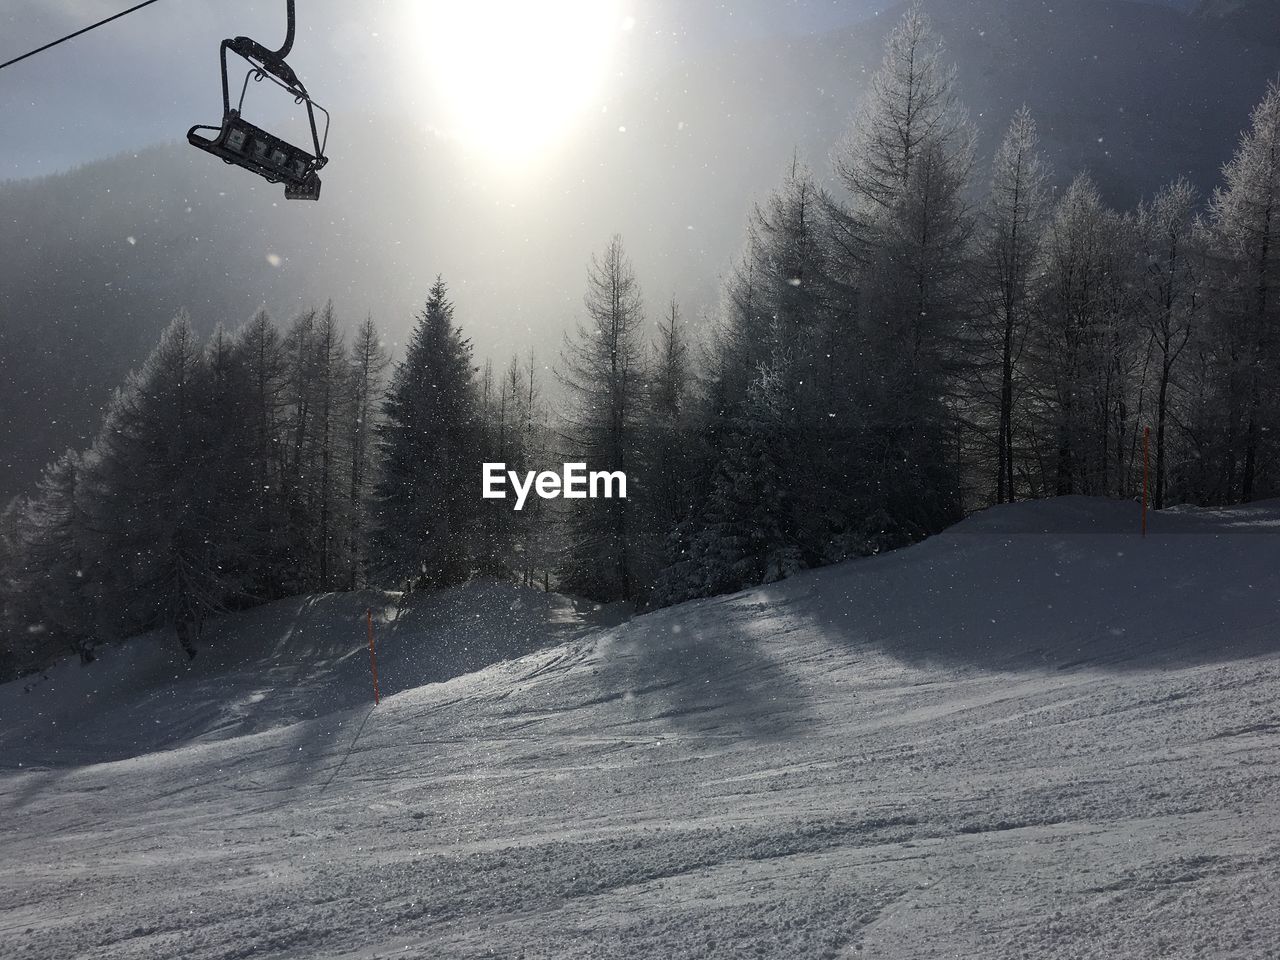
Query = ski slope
x=1037 y=735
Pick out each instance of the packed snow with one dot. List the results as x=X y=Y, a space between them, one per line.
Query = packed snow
x=1037 y=735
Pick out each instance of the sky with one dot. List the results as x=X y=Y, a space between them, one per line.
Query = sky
x=523 y=129
x=501 y=143
x=528 y=130
x=149 y=76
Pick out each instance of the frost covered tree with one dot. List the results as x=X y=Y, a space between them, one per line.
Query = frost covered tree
x=317 y=437
x=499 y=444
x=300 y=375
x=806 y=371
x=15 y=638
x=1085 y=348
x=329 y=494
x=184 y=505
x=538 y=544
x=297 y=536
x=46 y=585
x=670 y=439
x=1244 y=220
x=225 y=433
x=745 y=534
x=368 y=366
x=261 y=357
x=514 y=544
x=905 y=165
x=774 y=360
x=425 y=511
x=739 y=344
x=602 y=372
x=911 y=118
x=1169 y=299
x=151 y=498
x=899 y=241
x=790 y=231
x=670 y=413
x=1011 y=229
x=773 y=299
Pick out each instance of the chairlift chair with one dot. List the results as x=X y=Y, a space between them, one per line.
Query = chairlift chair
x=246 y=145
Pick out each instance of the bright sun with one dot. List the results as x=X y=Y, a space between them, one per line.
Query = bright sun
x=513 y=75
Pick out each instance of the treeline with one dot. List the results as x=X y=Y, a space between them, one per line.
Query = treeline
x=923 y=340
x=265 y=463
x=931 y=338
x=225 y=473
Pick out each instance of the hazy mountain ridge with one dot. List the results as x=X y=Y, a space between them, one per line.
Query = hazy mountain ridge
x=1165 y=95
x=1254 y=20
x=1135 y=93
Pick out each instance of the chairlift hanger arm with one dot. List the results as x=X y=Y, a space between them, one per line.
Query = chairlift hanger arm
x=288 y=36
x=271 y=60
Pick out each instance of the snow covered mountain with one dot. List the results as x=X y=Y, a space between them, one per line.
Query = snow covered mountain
x=1038 y=735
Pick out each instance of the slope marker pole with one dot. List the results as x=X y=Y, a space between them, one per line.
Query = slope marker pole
x=373 y=656
x=1146 y=474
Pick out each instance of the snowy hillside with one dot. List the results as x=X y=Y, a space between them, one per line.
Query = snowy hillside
x=1037 y=735
x=288 y=661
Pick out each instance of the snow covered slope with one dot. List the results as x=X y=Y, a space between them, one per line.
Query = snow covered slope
x=1035 y=736
x=273 y=666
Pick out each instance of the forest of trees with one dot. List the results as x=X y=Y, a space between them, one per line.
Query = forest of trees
x=927 y=337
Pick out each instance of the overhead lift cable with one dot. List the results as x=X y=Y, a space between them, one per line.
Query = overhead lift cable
x=72 y=36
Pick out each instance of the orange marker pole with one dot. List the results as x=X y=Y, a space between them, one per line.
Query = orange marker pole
x=373 y=656
x=1146 y=474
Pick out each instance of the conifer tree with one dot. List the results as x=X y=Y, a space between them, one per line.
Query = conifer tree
x=496 y=528
x=1012 y=227
x=1170 y=278
x=778 y=354
x=330 y=494
x=670 y=438
x=743 y=537
x=1084 y=347
x=536 y=549
x=369 y=362
x=150 y=498
x=911 y=112
x=15 y=635
x=602 y=371
x=739 y=344
x=900 y=245
x=260 y=355
x=298 y=535
x=48 y=586
x=425 y=506
x=225 y=434
x=1244 y=219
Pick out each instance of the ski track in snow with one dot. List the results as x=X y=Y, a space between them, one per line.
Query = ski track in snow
x=1030 y=737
